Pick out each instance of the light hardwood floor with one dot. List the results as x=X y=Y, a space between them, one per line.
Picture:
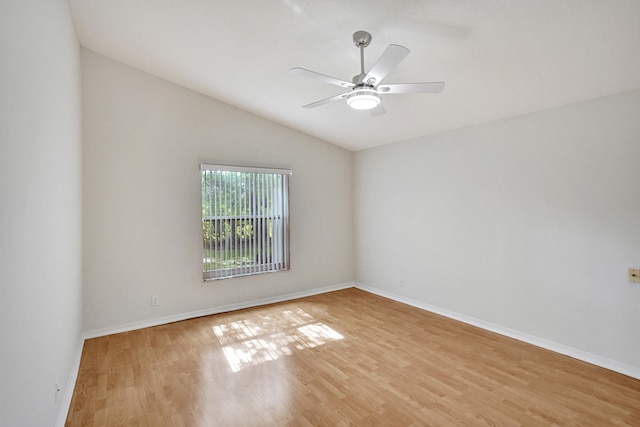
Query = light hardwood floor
x=342 y=358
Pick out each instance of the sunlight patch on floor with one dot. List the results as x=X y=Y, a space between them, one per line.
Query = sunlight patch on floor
x=250 y=342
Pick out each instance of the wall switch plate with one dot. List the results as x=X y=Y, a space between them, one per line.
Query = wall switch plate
x=634 y=275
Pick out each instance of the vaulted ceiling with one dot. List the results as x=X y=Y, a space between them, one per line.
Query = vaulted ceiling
x=499 y=58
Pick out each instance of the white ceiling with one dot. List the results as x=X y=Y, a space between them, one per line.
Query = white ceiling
x=499 y=58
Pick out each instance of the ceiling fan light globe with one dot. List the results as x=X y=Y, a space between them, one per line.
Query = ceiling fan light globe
x=363 y=99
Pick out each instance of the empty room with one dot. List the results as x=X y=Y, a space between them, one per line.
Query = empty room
x=287 y=212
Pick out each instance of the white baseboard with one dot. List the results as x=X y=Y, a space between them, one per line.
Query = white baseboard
x=67 y=394
x=594 y=359
x=209 y=311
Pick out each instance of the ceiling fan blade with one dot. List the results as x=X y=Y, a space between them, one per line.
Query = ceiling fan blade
x=326 y=100
x=321 y=77
x=387 y=62
x=377 y=111
x=431 y=87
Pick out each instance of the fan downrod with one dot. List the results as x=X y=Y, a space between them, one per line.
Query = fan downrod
x=361 y=38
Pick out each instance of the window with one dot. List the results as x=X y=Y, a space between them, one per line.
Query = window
x=245 y=220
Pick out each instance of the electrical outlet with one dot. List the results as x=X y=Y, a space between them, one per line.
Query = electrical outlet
x=401 y=282
x=55 y=396
x=634 y=275
x=154 y=300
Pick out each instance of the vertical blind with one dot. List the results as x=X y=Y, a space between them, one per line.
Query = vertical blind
x=245 y=220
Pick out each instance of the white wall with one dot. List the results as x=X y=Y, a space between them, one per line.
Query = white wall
x=144 y=139
x=528 y=223
x=40 y=209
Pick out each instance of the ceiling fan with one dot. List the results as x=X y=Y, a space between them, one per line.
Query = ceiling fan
x=365 y=90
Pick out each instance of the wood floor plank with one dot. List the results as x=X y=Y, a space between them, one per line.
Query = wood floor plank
x=341 y=358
